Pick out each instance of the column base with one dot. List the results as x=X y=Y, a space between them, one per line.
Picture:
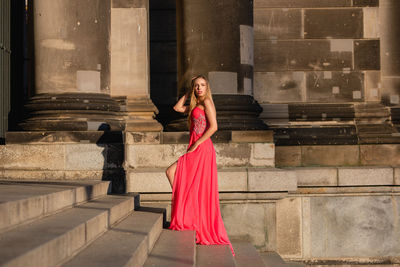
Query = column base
x=234 y=112
x=139 y=114
x=72 y=112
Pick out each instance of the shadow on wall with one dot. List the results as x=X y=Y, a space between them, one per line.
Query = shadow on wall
x=114 y=156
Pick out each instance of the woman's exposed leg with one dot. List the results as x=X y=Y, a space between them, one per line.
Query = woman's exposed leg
x=170 y=172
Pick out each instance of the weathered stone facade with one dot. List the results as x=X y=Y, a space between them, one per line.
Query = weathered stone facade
x=322 y=186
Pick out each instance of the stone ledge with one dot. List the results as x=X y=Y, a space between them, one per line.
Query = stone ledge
x=338 y=155
x=251 y=136
x=229 y=180
x=51 y=137
x=365 y=176
x=316 y=176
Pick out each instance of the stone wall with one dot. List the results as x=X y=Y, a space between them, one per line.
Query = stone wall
x=316 y=51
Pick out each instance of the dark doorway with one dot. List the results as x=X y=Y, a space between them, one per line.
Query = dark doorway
x=163 y=58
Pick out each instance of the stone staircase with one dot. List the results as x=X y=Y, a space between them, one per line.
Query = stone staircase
x=77 y=224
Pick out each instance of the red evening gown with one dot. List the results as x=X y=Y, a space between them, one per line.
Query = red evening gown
x=195 y=198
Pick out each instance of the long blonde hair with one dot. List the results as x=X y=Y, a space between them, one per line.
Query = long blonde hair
x=193 y=97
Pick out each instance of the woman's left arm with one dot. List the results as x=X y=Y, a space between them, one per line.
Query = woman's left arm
x=212 y=120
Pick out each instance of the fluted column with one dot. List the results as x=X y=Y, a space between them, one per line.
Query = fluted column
x=72 y=67
x=215 y=38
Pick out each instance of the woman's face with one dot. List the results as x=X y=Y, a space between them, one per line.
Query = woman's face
x=200 y=87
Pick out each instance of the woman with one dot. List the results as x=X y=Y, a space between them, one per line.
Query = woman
x=193 y=178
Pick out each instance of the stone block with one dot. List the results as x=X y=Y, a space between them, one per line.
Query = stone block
x=85 y=157
x=352 y=226
x=129 y=3
x=338 y=87
x=232 y=180
x=175 y=137
x=233 y=154
x=289 y=227
x=270 y=226
x=263 y=155
x=333 y=23
x=147 y=181
x=371 y=22
x=32 y=157
x=306 y=227
x=277 y=24
x=132 y=138
x=52 y=174
x=389 y=91
x=396 y=176
x=245 y=221
x=380 y=155
x=287 y=156
x=338 y=155
x=302 y=3
x=372 y=85
x=316 y=176
x=153 y=156
x=280 y=55
x=279 y=86
x=263 y=179
x=270 y=56
x=367 y=55
x=366 y=3
x=252 y=136
x=129 y=51
x=365 y=176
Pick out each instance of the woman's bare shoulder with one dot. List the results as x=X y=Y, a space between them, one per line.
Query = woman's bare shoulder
x=208 y=103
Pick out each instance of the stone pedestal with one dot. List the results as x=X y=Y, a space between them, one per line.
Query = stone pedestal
x=130 y=78
x=216 y=39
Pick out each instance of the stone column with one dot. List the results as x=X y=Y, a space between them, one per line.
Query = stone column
x=215 y=38
x=390 y=51
x=130 y=81
x=72 y=67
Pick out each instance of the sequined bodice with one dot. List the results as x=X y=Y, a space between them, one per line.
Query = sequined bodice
x=199 y=121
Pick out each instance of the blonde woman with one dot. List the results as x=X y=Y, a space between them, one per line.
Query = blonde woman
x=193 y=178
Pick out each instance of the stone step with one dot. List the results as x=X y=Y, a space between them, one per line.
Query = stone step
x=247 y=255
x=50 y=240
x=126 y=244
x=22 y=201
x=272 y=259
x=214 y=255
x=229 y=180
x=173 y=249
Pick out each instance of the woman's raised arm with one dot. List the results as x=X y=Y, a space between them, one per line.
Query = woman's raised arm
x=180 y=105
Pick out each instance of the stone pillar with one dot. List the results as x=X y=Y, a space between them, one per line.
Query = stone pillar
x=72 y=68
x=390 y=55
x=130 y=81
x=216 y=39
